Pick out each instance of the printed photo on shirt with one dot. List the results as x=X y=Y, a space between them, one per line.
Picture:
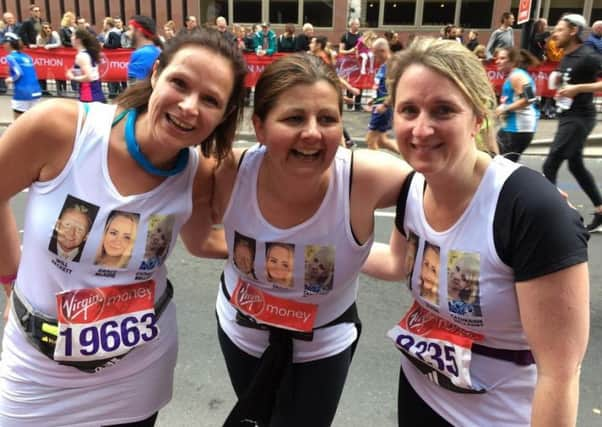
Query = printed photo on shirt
x=279 y=263
x=411 y=251
x=158 y=239
x=244 y=255
x=118 y=240
x=319 y=269
x=429 y=273
x=72 y=228
x=463 y=270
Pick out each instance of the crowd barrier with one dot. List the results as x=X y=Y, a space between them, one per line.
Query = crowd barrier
x=52 y=64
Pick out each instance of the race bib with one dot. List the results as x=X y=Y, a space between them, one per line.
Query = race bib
x=437 y=347
x=270 y=310
x=102 y=323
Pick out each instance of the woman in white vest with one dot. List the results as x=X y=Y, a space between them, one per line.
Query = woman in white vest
x=502 y=342
x=288 y=325
x=90 y=342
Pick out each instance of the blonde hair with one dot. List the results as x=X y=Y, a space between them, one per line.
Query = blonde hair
x=470 y=266
x=67 y=19
x=127 y=253
x=369 y=37
x=452 y=60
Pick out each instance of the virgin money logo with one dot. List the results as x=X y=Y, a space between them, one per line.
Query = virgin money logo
x=420 y=321
x=103 y=65
x=82 y=305
x=250 y=299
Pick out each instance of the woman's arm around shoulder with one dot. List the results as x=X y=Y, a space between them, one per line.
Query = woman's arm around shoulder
x=554 y=311
x=377 y=181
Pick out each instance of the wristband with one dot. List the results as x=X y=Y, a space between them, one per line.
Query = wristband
x=8 y=279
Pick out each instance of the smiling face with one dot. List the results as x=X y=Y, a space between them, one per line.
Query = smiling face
x=72 y=229
x=279 y=265
x=303 y=130
x=183 y=107
x=434 y=123
x=119 y=236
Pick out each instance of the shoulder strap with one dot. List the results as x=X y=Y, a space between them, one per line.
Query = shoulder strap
x=402 y=200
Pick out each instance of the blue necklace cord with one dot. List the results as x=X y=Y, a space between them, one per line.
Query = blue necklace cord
x=134 y=150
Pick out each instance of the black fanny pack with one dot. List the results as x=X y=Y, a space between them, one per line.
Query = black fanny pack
x=40 y=330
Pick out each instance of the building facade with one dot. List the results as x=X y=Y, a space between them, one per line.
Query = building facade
x=329 y=17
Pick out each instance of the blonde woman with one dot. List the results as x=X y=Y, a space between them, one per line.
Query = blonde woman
x=118 y=240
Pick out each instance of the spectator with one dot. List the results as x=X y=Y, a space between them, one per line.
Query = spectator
x=10 y=25
x=29 y=32
x=287 y=41
x=473 y=40
x=502 y=37
x=66 y=31
x=265 y=41
x=48 y=38
x=147 y=45
x=31 y=28
x=249 y=40
x=595 y=38
x=458 y=34
x=239 y=36
x=347 y=46
x=395 y=44
x=112 y=41
x=537 y=44
x=303 y=39
x=479 y=51
x=83 y=24
x=190 y=25
x=363 y=50
x=169 y=31
x=222 y=26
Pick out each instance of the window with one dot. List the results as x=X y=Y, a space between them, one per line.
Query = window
x=247 y=11
x=213 y=9
x=596 y=11
x=438 y=12
x=370 y=12
x=560 y=7
x=284 y=11
x=317 y=12
x=477 y=14
x=399 y=12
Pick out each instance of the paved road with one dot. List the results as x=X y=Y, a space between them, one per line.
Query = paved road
x=203 y=395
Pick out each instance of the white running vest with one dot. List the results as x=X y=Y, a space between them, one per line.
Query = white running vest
x=493 y=312
x=46 y=269
x=325 y=260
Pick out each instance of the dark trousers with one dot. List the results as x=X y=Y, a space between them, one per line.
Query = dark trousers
x=310 y=391
x=412 y=411
x=149 y=422
x=568 y=145
x=512 y=144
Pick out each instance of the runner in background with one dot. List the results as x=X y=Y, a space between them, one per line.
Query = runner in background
x=85 y=66
x=380 y=107
x=148 y=47
x=490 y=347
x=517 y=110
x=23 y=77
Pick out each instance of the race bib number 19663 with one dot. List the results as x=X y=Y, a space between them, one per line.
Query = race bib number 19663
x=101 y=323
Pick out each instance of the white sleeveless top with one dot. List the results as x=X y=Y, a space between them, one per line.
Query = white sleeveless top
x=493 y=313
x=45 y=269
x=324 y=242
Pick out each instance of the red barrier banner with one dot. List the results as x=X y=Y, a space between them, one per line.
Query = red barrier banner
x=53 y=63
x=540 y=75
x=348 y=66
